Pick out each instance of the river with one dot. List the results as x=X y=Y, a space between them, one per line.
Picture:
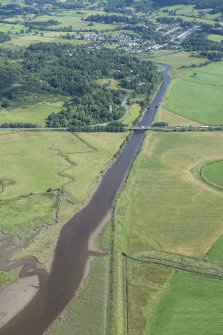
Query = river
x=72 y=250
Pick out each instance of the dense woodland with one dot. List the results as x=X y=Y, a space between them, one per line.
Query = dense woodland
x=121 y=5
x=74 y=72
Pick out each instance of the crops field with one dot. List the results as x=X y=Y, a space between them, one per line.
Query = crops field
x=197 y=94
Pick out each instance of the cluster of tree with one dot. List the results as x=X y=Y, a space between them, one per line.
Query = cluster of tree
x=41 y=25
x=39 y=7
x=115 y=127
x=213 y=56
x=199 y=42
x=215 y=5
x=174 y=20
x=18 y=125
x=111 y=19
x=4 y=37
x=160 y=124
x=74 y=72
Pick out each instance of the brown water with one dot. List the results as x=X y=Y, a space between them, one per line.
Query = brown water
x=72 y=252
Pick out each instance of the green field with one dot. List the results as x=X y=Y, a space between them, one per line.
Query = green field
x=213 y=173
x=197 y=94
x=179 y=59
x=36 y=113
x=35 y=168
x=165 y=206
x=216 y=38
x=133 y=114
x=162 y=170
x=187 y=13
x=190 y=305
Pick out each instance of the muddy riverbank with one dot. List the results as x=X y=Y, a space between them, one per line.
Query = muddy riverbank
x=72 y=253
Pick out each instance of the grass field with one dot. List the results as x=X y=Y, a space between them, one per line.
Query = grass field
x=216 y=38
x=164 y=206
x=190 y=305
x=34 y=168
x=172 y=119
x=197 y=94
x=179 y=59
x=145 y=284
x=133 y=114
x=161 y=172
x=213 y=173
x=187 y=13
x=36 y=113
x=74 y=18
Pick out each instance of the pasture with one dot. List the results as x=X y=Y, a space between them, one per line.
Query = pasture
x=35 y=113
x=213 y=173
x=176 y=220
x=179 y=59
x=216 y=38
x=164 y=206
x=197 y=94
x=187 y=13
x=189 y=305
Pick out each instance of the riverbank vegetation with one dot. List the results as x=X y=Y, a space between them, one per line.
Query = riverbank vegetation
x=45 y=178
x=75 y=64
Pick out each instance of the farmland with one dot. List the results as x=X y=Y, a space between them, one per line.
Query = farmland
x=189 y=305
x=157 y=266
x=212 y=173
x=197 y=94
x=179 y=59
x=174 y=221
x=187 y=13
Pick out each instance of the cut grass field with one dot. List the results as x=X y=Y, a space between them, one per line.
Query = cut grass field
x=172 y=119
x=197 y=94
x=190 y=305
x=179 y=59
x=213 y=173
x=216 y=38
x=164 y=206
x=36 y=113
x=48 y=174
x=155 y=204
